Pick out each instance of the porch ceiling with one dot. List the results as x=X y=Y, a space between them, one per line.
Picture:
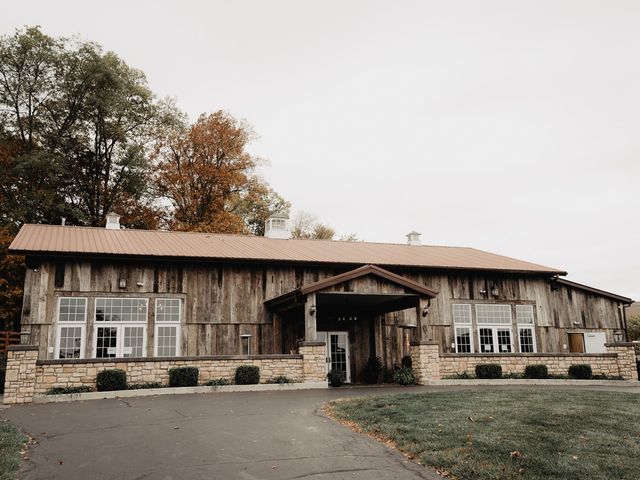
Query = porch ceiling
x=380 y=303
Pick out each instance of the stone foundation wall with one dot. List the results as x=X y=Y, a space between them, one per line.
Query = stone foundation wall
x=429 y=364
x=27 y=376
x=601 y=364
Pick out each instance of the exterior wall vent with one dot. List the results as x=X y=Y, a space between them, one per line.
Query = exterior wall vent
x=113 y=221
x=277 y=226
x=413 y=238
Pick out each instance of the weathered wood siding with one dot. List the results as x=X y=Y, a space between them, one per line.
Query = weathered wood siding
x=222 y=302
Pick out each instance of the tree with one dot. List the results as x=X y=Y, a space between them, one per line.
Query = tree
x=11 y=281
x=77 y=124
x=207 y=175
x=633 y=327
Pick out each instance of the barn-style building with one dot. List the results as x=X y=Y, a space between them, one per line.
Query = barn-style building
x=109 y=293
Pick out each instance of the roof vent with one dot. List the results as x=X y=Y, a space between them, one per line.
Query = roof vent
x=113 y=221
x=413 y=238
x=277 y=226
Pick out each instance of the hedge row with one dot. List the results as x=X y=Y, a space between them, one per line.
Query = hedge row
x=494 y=370
x=116 y=379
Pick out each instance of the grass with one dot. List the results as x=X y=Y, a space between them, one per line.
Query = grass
x=11 y=443
x=507 y=434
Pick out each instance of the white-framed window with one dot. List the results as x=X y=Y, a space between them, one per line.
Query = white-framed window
x=120 y=327
x=462 y=327
x=526 y=332
x=72 y=316
x=494 y=328
x=167 y=324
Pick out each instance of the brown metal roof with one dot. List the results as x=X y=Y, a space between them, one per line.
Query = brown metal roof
x=91 y=241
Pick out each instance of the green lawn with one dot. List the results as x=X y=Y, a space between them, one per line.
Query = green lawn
x=508 y=434
x=11 y=442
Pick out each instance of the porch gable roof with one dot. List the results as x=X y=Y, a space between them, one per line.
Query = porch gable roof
x=351 y=275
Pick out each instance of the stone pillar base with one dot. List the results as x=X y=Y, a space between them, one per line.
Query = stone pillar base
x=626 y=359
x=314 y=362
x=425 y=359
x=20 y=380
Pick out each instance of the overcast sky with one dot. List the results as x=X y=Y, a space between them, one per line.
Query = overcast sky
x=509 y=126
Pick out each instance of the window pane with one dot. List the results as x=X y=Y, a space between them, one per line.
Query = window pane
x=461 y=313
x=133 y=342
x=167 y=310
x=72 y=309
x=106 y=342
x=526 y=340
x=70 y=342
x=492 y=314
x=486 y=340
x=121 y=310
x=463 y=340
x=167 y=338
x=524 y=314
x=504 y=340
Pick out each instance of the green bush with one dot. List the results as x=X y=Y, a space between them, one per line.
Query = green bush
x=247 y=375
x=407 y=361
x=183 y=377
x=336 y=378
x=404 y=376
x=536 y=371
x=372 y=370
x=580 y=371
x=144 y=385
x=488 y=370
x=110 y=380
x=217 y=382
x=3 y=371
x=67 y=390
x=281 y=379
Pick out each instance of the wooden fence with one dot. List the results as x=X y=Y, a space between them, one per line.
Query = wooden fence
x=7 y=337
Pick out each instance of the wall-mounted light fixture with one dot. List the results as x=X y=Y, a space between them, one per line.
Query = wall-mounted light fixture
x=425 y=311
x=494 y=290
x=618 y=336
x=312 y=310
x=122 y=281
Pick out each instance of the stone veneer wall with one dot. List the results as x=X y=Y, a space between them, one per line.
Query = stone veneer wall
x=27 y=376
x=429 y=364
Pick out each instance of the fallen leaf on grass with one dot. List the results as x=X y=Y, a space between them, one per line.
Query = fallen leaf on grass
x=515 y=454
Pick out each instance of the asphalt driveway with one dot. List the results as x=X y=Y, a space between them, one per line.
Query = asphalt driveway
x=265 y=435
x=252 y=435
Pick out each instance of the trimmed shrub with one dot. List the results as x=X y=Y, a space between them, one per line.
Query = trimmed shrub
x=3 y=371
x=407 y=362
x=281 y=379
x=183 y=376
x=536 y=371
x=580 y=371
x=404 y=376
x=217 y=382
x=247 y=375
x=336 y=378
x=67 y=390
x=144 y=385
x=110 y=380
x=372 y=370
x=488 y=370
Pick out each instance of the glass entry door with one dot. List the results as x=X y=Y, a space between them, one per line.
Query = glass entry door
x=337 y=352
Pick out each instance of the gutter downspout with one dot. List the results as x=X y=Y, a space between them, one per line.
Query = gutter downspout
x=623 y=315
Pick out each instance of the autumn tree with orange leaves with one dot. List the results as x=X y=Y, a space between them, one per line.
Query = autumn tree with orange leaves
x=207 y=175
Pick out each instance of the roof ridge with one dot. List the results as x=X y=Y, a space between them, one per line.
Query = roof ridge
x=240 y=235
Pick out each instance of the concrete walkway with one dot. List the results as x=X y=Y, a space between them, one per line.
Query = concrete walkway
x=253 y=435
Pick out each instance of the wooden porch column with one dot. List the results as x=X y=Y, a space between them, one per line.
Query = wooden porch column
x=421 y=332
x=310 y=315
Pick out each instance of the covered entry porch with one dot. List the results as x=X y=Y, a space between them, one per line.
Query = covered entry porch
x=353 y=314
